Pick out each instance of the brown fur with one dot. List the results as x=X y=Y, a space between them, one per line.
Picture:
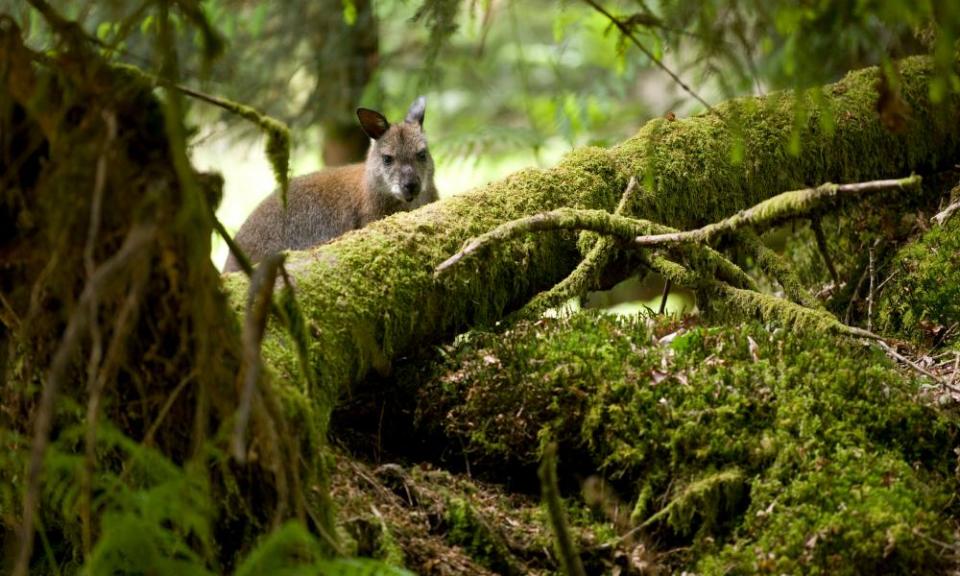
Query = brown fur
x=328 y=203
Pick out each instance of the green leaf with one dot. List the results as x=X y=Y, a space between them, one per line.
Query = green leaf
x=349 y=12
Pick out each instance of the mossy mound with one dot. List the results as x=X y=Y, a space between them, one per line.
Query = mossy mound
x=922 y=300
x=758 y=449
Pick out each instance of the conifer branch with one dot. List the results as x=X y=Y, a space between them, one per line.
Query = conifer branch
x=626 y=31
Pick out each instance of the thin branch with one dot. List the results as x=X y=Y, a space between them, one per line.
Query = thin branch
x=125 y=320
x=779 y=209
x=563 y=219
x=138 y=237
x=848 y=314
x=604 y=223
x=825 y=250
x=873 y=281
x=626 y=31
x=664 y=295
x=259 y=301
x=892 y=352
x=96 y=338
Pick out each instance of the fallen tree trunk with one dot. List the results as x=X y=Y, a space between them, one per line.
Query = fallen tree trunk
x=371 y=296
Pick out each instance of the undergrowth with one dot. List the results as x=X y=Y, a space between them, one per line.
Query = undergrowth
x=757 y=448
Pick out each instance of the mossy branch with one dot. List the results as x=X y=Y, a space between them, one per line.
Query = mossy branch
x=774 y=265
x=584 y=276
x=277 y=133
x=782 y=208
x=593 y=221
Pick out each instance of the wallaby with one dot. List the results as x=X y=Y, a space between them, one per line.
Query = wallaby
x=397 y=176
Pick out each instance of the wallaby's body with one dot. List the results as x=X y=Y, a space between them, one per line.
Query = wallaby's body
x=397 y=176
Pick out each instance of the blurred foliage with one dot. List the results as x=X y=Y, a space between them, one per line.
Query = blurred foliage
x=505 y=75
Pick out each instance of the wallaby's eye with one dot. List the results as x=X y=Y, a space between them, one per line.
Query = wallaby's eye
x=422 y=155
x=387 y=159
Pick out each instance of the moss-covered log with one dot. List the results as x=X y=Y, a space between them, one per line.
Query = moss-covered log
x=371 y=296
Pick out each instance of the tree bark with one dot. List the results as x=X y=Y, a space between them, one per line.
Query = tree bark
x=347 y=56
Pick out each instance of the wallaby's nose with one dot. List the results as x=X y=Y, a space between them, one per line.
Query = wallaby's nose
x=410 y=190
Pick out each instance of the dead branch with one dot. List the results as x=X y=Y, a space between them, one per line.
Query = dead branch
x=941 y=218
x=824 y=250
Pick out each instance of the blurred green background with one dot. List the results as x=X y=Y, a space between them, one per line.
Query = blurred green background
x=509 y=83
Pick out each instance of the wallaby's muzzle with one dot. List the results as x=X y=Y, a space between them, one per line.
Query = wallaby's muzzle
x=411 y=188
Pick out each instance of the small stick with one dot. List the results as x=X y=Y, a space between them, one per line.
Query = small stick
x=898 y=356
x=824 y=251
x=870 y=294
x=96 y=337
x=853 y=296
x=941 y=217
x=956 y=366
x=663 y=296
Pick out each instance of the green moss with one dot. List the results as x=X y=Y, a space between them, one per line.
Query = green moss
x=697 y=430
x=923 y=295
x=703 y=503
x=468 y=529
x=857 y=512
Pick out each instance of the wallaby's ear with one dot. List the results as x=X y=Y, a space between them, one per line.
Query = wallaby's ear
x=372 y=122
x=416 y=111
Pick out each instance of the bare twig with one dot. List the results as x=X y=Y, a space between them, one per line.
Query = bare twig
x=941 y=218
x=122 y=326
x=873 y=280
x=165 y=409
x=626 y=31
x=892 y=352
x=138 y=237
x=956 y=368
x=825 y=251
x=96 y=338
x=848 y=314
x=663 y=296
x=8 y=315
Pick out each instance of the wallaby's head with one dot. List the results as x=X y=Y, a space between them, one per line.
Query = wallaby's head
x=399 y=164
